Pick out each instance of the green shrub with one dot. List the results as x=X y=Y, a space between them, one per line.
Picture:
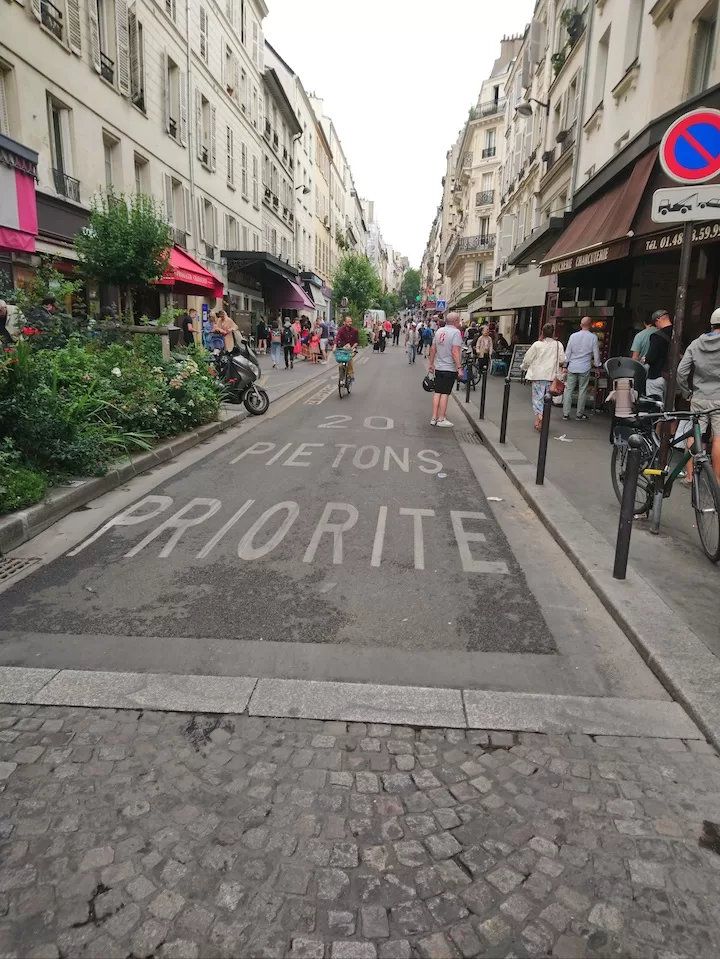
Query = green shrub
x=363 y=337
x=19 y=486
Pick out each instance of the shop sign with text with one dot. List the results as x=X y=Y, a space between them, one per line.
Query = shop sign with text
x=672 y=239
x=579 y=261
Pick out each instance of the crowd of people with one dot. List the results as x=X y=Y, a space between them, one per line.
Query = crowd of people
x=293 y=339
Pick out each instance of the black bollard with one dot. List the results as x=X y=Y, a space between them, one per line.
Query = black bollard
x=627 y=507
x=505 y=408
x=468 y=378
x=544 y=436
x=483 y=393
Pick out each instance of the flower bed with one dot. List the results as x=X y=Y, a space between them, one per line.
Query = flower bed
x=71 y=411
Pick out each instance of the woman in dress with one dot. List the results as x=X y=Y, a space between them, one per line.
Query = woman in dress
x=484 y=349
x=315 y=343
x=542 y=363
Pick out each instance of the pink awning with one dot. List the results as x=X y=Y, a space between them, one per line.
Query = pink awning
x=18 y=210
x=285 y=294
x=183 y=269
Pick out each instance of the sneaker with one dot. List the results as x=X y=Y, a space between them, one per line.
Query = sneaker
x=433 y=422
x=581 y=417
x=566 y=416
x=445 y=423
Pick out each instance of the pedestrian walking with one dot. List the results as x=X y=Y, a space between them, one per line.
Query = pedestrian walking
x=261 y=332
x=288 y=344
x=582 y=353
x=446 y=363
x=641 y=340
x=396 y=333
x=411 y=339
x=543 y=362
x=484 y=349
x=315 y=343
x=657 y=355
x=188 y=324
x=699 y=376
x=324 y=338
x=275 y=344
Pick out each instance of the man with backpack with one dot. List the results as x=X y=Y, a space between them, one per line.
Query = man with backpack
x=288 y=343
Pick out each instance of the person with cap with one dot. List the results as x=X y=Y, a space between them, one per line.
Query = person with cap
x=698 y=374
x=657 y=354
x=641 y=340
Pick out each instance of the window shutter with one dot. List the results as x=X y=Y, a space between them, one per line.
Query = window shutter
x=201 y=218
x=255 y=44
x=256 y=198
x=236 y=77
x=134 y=52
x=213 y=138
x=199 y=132
x=226 y=220
x=215 y=228
x=166 y=89
x=243 y=151
x=36 y=9
x=244 y=237
x=261 y=51
x=203 y=34
x=230 y=156
x=4 y=118
x=527 y=144
x=224 y=81
x=123 y=46
x=564 y=111
x=182 y=100
x=94 y=35
x=74 y=31
x=169 y=213
x=186 y=210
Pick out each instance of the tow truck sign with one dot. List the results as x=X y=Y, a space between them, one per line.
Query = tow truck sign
x=681 y=204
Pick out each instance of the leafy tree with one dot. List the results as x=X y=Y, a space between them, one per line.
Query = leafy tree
x=127 y=242
x=410 y=287
x=389 y=302
x=355 y=278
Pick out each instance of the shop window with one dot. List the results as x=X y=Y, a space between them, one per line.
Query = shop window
x=702 y=53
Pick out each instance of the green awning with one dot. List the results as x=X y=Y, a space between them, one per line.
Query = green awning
x=469 y=297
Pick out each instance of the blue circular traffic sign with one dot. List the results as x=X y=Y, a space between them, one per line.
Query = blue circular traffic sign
x=690 y=149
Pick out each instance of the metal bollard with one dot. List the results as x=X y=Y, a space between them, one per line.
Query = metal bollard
x=483 y=393
x=627 y=507
x=544 y=436
x=505 y=408
x=468 y=378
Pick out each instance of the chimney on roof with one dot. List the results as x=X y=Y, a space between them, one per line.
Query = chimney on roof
x=509 y=49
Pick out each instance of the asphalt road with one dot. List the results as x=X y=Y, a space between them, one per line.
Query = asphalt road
x=344 y=539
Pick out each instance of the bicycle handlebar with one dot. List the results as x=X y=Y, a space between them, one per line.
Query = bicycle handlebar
x=669 y=415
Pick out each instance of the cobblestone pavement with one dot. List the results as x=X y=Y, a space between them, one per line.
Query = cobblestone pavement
x=167 y=835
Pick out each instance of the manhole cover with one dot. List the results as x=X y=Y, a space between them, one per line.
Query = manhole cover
x=10 y=567
x=469 y=438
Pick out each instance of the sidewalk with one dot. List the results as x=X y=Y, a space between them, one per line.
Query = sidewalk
x=154 y=834
x=673 y=562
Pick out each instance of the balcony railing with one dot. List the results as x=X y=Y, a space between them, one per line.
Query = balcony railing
x=489 y=152
x=490 y=108
x=172 y=128
x=471 y=244
x=210 y=251
x=107 y=68
x=52 y=18
x=66 y=185
x=180 y=237
x=484 y=198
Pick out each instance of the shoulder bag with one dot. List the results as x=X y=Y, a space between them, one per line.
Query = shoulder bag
x=557 y=387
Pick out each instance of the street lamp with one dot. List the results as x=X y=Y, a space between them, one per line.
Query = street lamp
x=524 y=108
x=305 y=189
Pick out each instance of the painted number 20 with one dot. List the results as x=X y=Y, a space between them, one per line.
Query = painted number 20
x=370 y=422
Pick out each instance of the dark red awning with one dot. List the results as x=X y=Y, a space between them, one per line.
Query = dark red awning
x=183 y=269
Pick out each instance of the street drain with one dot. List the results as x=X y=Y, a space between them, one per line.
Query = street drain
x=468 y=438
x=11 y=567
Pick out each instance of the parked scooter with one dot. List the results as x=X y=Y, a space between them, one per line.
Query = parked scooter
x=238 y=370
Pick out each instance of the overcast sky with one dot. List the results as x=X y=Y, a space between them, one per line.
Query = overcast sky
x=397 y=78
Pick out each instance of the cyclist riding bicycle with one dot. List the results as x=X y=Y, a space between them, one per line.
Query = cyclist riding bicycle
x=347 y=338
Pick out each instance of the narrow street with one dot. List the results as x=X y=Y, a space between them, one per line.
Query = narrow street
x=345 y=545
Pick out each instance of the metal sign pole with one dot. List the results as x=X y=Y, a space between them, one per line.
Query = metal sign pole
x=673 y=360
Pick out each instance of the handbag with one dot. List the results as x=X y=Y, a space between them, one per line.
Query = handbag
x=557 y=387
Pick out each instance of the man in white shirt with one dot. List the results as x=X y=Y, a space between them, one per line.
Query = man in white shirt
x=581 y=354
x=446 y=363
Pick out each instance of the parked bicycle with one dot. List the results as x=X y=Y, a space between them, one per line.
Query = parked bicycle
x=705 y=496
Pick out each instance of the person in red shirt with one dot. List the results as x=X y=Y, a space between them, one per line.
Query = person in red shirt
x=347 y=338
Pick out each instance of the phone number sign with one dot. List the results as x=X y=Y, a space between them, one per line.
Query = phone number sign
x=673 y=239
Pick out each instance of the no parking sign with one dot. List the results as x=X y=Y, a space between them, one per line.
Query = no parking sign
x=690 y=149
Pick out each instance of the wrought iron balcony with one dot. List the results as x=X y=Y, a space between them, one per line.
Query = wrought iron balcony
x=490 y=108
x=482 y=243
x=107 y=68
x=489 y=152
x=51 y=18
x=484 y=198
x=66 y=185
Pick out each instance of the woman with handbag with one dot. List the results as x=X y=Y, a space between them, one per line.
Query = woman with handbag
x=543 y=366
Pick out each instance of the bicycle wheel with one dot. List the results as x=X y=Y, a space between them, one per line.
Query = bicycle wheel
x=341 y=382
x=706 y=503
x=643 y=493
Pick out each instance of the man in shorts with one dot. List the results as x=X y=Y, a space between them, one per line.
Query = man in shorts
x=446 y=363
x=699 y=375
